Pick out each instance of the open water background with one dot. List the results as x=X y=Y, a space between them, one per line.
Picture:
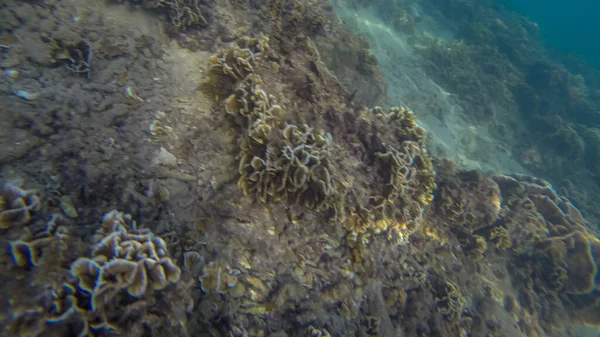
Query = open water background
x=566 y=27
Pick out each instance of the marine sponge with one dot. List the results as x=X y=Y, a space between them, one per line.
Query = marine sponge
x=16 y=206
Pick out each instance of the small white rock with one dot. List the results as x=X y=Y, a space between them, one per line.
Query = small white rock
x=165 y=158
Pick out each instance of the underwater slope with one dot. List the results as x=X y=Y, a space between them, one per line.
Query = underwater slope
x=510 y=92
x=454 y=133
x=197 y=169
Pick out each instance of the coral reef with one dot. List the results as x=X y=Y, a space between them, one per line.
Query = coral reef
x=552 y=246
x=404 y=175
x=491 y=61
x=126 y=267
x=274 y=202
x=120 y=289
x=286 y=161
x=182 y=14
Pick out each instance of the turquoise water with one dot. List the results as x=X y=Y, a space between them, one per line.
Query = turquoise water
x=566 y=27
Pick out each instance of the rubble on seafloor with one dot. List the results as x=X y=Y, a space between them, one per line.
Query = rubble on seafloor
x=314 y=215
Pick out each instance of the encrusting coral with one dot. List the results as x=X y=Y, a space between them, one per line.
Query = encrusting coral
x=553 y=248
x=457 y=204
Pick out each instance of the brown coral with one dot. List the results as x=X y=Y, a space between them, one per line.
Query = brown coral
x=27 y=251
x=17 y=206
x=136 y=261
x=126 y=264
x=183 y=14
x=575 y=257
x=403 y=174
x=287 y=162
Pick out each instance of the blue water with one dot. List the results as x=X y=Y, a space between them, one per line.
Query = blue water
x=567 y=27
